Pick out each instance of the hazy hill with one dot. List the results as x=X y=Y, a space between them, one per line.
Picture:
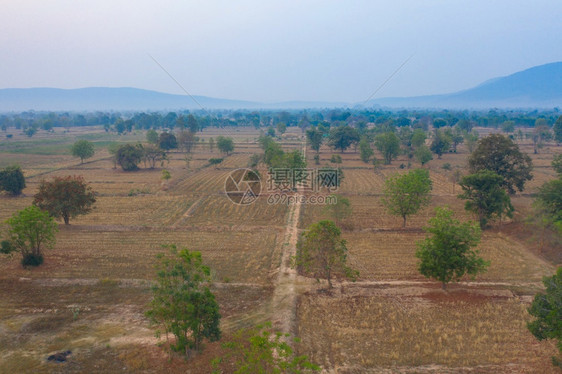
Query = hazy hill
x=537 y=87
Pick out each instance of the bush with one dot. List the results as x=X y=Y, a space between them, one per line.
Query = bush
x=32 y=260
x=336 y=159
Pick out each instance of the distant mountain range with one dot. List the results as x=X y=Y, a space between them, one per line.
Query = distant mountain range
x=537 y=87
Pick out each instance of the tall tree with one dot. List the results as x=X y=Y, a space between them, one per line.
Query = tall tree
x=423 y=154
x=65 y=197
x=167 y=141
x=30 y=231
x=152 y=136
x=315 y=138
x=485 y=196
x=502 y=156
x=128 y=156
x=340 y=209
x=12 y=180
x=192 y=123
x=322 y=253
x=549 y=201
x=182 y=302
x=557 y=128
x=547 y=310
x=406 y=194
x=441 y=142
x=342 y=137
x=152 y=154
x=225 y=145
x=447 y=254
x=389 y=145
x=365 y=149
x=83 y=149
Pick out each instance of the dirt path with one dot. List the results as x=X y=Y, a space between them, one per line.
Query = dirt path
x=284 y=300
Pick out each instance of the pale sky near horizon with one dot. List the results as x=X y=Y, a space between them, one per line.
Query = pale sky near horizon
x=260 y=50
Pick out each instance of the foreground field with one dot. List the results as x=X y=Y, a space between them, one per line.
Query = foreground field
x=91 y=293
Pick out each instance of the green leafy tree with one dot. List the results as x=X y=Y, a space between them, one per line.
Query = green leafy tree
x=447 y=254
x=439 y=122
x=423 y=155
x=192 y=123
x=365 y=149
x=261 y=350
x=418 y=138
x=547 y=310
x=342 y=137
x=471 y=139
x=557 y=164
x=441 y=142
x=406 y=194
x=128 y=156
x=322 y=253
x=502 y=156
x=315 y=138
x=167 y=141
x=83 y=149
x=12 y=180
x=508 y=127
x=65 y=197
x=340 y=210
x=485 y=196
x=549 y=201
x=166 y=174
x=557 y=128
x=152 y=136
x=30 y=231
x=182 y=302
x=281 y=128
x=225 y=145
x=388 y=145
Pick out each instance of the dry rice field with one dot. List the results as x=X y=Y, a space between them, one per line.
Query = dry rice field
x=91 y=293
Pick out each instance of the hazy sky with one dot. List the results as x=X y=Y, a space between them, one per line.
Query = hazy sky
x=281 y=50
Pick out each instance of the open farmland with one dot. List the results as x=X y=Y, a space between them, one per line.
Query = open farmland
x=91 y=293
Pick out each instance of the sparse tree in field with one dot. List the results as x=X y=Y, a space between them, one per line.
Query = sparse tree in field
x=270 y=131
x=388 y=145
x=128 y=156
x=261 y=350
x=30 y=231
x=12 y=180
x=418 y=138
x=166 y=175
x=192 y=123
x=502 y=156
x=549 y=201
x=340 y=210
x=225 y=145
x=423 y=155
x=456 y=136
x=540 y=134
x=211 y=144
x=447 y=254
x=508 y=127
x=83 y=149
x=315 y=138
x=406 y=194
x=182 y=303
x=186 y=141
x=152 y=154
x=455 y=177
x=152 y=136
x=485 y=196
x=557 y=164
x=365 y=149
x=167 y=141
x=322 y=253
x=557 y=128
x=65 y=197
x=471 y=139
x=547 y=310
x=342 y=137
x=281 y=128
x=441 y=143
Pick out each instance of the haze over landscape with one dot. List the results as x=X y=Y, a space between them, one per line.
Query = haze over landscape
x=315 y=51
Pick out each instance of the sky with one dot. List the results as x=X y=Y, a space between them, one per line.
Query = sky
x=273 y=51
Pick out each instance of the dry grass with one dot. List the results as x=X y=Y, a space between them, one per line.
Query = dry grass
x=394 y=332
